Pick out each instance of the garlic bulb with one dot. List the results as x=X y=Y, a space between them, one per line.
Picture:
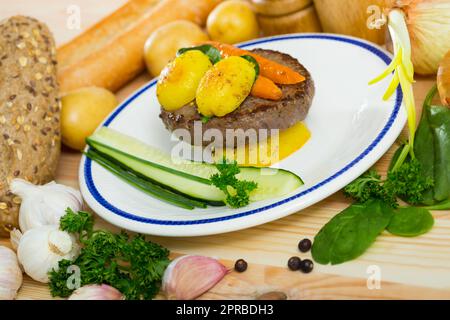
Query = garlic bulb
x=96 y=292
x=429 y=29
x=188 y=277
x=40 y=249
x=44 y=205
x=10 y=274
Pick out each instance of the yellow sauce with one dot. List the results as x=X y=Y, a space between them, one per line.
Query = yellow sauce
x=271 y=151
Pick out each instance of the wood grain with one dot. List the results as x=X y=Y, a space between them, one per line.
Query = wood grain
x=350 y=17
x=417 y=268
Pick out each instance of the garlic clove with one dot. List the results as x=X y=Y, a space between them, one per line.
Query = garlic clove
x=10 y=274
x=40 y=249
x=14 y=238
x=190 y=276
x=96 y=292
x=59 y=242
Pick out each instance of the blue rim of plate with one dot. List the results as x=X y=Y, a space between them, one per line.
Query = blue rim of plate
x=98 y=197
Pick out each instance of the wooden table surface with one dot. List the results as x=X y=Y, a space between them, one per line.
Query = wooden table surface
x=417 y=268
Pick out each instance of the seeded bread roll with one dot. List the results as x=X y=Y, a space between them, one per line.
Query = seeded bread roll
x=29 y=110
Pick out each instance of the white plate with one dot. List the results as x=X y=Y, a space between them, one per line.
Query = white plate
x=351 y=129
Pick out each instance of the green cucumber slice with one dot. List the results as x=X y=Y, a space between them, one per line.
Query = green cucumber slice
x=187 y=177
x=145 y=186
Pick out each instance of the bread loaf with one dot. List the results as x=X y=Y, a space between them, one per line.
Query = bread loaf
x=115 y=62
x=29 y=110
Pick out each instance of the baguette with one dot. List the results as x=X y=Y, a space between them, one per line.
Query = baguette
x=119 y=60
x=29 y=110
x=103 y=32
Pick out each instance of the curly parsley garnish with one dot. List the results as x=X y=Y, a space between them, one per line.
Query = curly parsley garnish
x=237 y=191
x=132 y=265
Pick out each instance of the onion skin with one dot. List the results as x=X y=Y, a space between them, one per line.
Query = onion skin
x=429 y=29
x=443 y=80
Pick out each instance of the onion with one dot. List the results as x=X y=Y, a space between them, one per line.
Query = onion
x=428 y=23
x=443 y=80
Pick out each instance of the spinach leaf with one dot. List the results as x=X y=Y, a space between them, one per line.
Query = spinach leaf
x=411 y=222
x=439 y=119
x=351 y=232
x=212 y=52
x=444 y=205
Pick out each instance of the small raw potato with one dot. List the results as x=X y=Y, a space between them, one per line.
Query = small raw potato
x=29 y=110
x=232 y=21
x=179 y=81
x=162 y=46
x=82 y=112
x=225 y=86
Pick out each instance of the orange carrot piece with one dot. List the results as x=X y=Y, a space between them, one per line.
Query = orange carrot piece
x=276 y=72
x=265 y=88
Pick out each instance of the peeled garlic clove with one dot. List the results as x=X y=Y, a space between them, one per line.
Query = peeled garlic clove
x=44 y=205
x=96 y=292
x=10 y=274
x=40 y=249
x=189 y=276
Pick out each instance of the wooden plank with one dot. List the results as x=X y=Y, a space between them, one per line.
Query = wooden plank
x=417 y=268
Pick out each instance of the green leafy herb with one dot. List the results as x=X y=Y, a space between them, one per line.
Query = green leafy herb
x=237 y=191
x=132 y=265
x=254 y=62
x=408 y=182
x=212 y=52
x=411 y=222
x=205 y=119
x=351 y=232
x=369 y=186
x=81 y=223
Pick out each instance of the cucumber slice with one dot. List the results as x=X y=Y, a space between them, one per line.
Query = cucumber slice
x=187 y=177
x=144 y=185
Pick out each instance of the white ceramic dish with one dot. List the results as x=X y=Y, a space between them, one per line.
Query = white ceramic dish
x=351 y=129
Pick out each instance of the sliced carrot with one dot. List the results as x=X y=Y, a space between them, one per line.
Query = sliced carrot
x=276 y=72
x=266 y=89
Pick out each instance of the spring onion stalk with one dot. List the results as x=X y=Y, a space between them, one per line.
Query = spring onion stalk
x=403 y=70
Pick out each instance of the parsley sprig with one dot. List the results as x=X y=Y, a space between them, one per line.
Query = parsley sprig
x=407 y=183
x=132 y=265
x=236 y=191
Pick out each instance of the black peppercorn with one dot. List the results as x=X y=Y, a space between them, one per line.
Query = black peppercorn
x=304 y=245
x=294 y=263
x=240 y=265
x=306 y=266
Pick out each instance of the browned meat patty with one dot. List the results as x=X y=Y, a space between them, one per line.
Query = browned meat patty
x=254 y=113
